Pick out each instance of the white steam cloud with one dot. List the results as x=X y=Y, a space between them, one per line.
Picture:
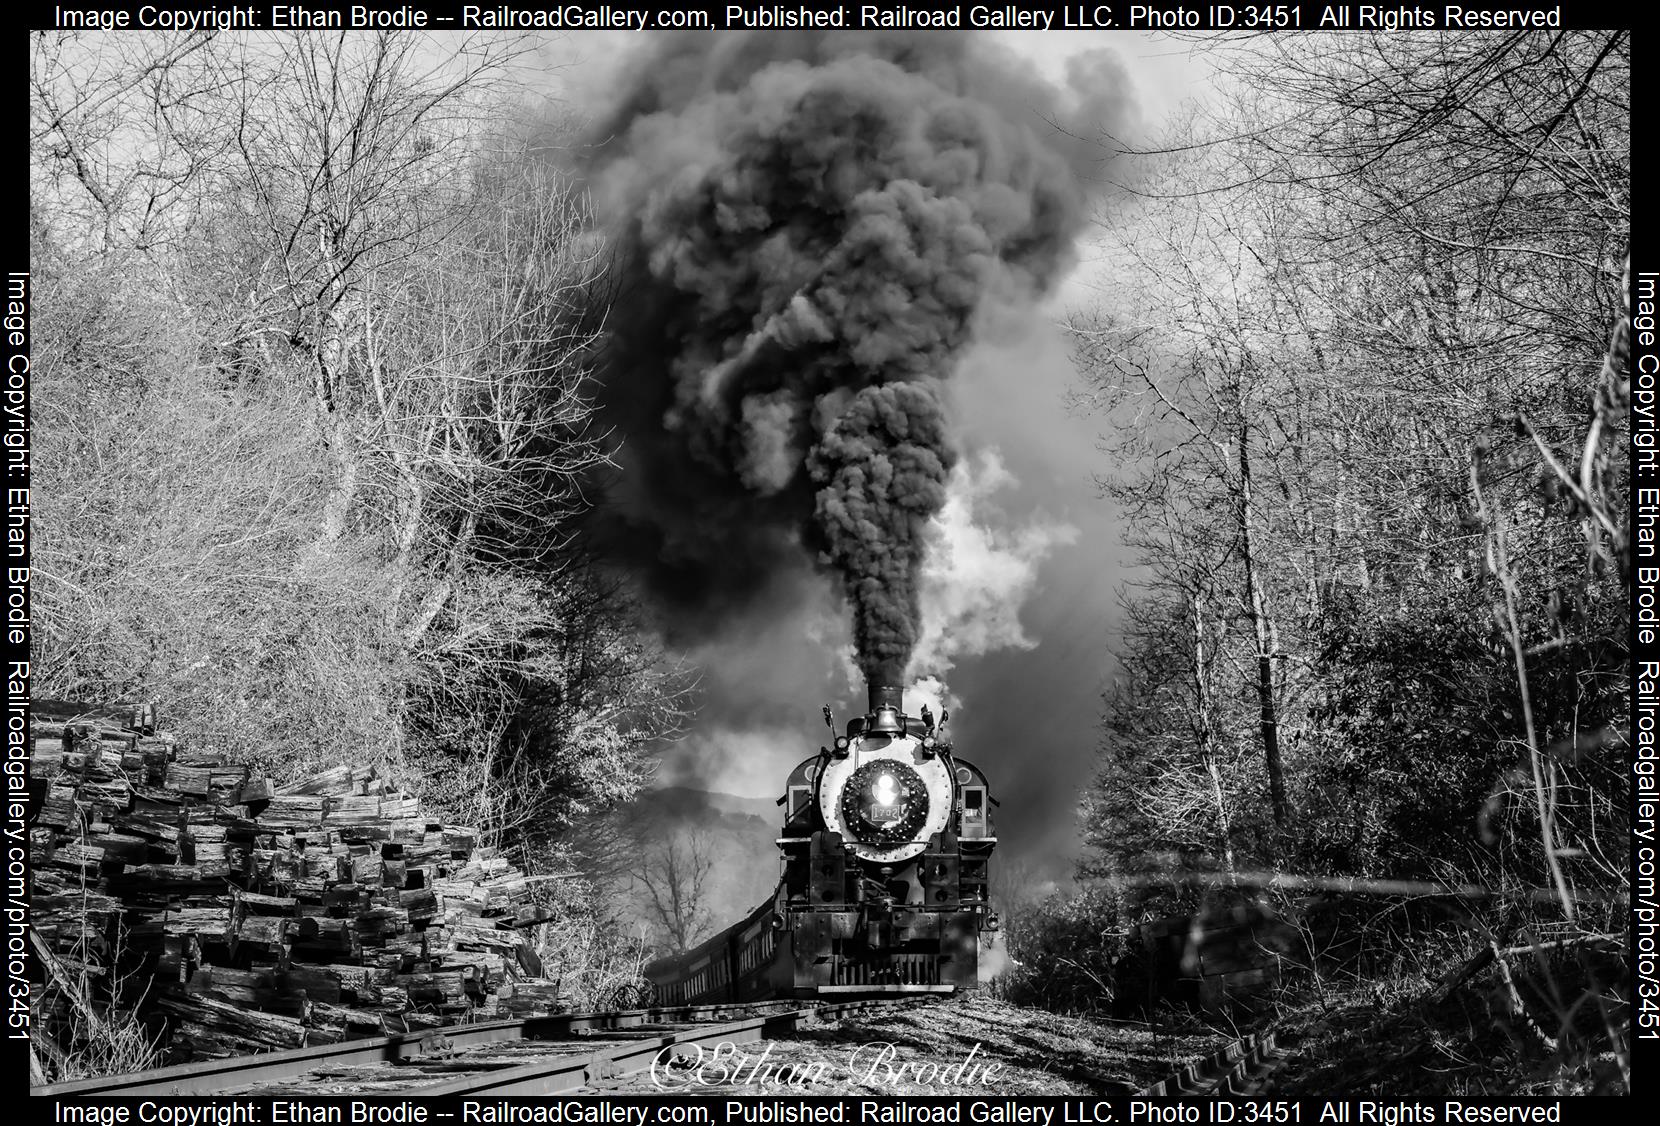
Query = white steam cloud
x=978 y=571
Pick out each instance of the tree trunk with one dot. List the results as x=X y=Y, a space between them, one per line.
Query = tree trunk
x=331 y=348
x=1201 y=689
x=1256 y=607
x=343 y=489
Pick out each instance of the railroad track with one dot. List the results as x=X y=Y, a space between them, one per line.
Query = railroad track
x=532 y=1056
x=1242 y=1068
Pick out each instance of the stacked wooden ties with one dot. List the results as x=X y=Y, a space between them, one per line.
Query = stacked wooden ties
x=256 y=916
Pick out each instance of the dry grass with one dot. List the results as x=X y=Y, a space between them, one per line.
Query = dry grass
x=599 y=965
x=116 y=1043
x=1541 y=1020
x=77 y=1032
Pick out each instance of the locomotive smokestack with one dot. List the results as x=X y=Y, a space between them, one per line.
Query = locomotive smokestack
x=886 y=697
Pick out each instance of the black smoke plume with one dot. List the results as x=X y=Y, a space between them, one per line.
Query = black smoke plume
x=881 y=473
x=808 y=225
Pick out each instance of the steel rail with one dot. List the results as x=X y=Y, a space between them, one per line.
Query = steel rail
x=206 y=1077
x=565 y=1074
x=1235 y=1069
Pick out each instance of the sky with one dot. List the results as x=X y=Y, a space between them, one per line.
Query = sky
x=1025 y=565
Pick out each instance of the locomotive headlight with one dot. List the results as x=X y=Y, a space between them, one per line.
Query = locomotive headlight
x=886 y=790
x=884 y=802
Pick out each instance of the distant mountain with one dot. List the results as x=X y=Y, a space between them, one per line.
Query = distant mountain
x=686 y=803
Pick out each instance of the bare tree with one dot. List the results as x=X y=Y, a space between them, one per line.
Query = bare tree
x=675 y=871
x=1397 y=254
x=379 y=300
x=1198 y=396
x=125 y=137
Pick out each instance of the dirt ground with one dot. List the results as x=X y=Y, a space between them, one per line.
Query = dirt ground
x=966 y=1046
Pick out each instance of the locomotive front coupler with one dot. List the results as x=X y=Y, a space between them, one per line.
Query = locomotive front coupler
x=876 y=920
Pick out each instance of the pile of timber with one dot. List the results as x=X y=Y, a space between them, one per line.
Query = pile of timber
x=254 y=916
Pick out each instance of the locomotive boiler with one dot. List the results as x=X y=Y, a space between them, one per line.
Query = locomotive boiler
x=885 y=852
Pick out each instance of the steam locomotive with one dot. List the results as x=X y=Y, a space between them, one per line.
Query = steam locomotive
x=886 y=846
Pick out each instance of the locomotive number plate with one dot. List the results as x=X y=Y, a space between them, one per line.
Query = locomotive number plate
x=884 y=813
